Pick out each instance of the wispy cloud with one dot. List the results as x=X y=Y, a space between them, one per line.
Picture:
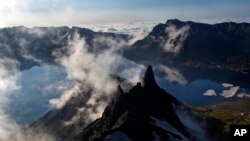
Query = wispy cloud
x=175 y=38
x=8 y=85
x=30 y=135
x=20 y=12
x=193 y=121
x=137 y=30
x=172 y=74
x=92 y=72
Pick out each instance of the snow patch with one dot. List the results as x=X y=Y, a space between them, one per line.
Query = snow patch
x=226 y=85
x=230 y=92
x=210 y=92
x=243 y=95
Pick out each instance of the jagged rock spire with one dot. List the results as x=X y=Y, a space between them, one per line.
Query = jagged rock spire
x=120 y=89
x=149 y=79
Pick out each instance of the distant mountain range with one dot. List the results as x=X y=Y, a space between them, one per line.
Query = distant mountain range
x=223 y=45
x=32 y=46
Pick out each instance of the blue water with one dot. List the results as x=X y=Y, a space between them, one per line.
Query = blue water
x=38 y=86
x=199 y=80
x=192 y=92
x=42 y=83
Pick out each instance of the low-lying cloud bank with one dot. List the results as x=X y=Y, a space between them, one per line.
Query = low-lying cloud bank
x=137 y=30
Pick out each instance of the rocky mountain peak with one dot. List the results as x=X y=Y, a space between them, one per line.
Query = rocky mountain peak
x=137 y=115
x=149 y=79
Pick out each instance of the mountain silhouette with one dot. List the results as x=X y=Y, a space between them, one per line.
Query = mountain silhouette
x=146 y=112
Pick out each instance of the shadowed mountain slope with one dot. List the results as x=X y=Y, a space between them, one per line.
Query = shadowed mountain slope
x=223 y=45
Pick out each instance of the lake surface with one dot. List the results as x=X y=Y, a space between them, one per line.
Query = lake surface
x=192 y=92
x=42 y=83
x=224 y=84
x=38 y=85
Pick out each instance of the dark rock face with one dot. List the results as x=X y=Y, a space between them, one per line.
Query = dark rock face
x=224 y=45
x=53 y=123
x=133 y=114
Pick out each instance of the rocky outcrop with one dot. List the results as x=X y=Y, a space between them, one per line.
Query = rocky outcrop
x=146 y=112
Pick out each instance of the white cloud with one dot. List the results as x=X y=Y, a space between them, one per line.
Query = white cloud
x=8 y=86
x=8 y=77
x=19 y=12
x=189 y=118
x=56 y=88
x=39 y=33
x=32 y=13
x=65 y=13
x=175 y=38
x=7 y=126
x=11 y=9
x=67 y=95
x=137 y=30
x=30 y=135
x=172 y=74
x=92 y=72
x=129 y=70
x=136 y=37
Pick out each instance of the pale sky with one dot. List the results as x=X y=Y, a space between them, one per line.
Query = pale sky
x=81 y=12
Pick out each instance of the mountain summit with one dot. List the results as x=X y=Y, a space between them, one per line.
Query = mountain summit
x=143 y=113
x=149 y=79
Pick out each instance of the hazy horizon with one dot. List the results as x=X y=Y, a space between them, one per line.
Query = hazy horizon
x=32 y=13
